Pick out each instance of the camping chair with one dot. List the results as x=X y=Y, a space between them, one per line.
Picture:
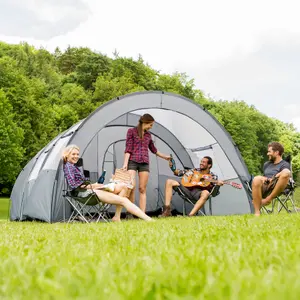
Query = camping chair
x=87 y=209
x=214 y=192
x=284 y=200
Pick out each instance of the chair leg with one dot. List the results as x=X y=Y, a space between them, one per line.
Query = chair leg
x=293 y=203
x=184 y=208
x=75 y=213
x=210 y=205
x=284 y=203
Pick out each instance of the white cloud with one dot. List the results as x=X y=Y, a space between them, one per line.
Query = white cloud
x=234 y=49
x=42 y=19
x=296 y=122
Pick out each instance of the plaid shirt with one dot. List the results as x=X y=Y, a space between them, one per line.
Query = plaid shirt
x=209 y=188
x=137 y=147
x=73 y=175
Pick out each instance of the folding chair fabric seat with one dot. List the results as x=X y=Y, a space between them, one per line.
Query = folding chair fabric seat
x=215 y=191
x=88 y=208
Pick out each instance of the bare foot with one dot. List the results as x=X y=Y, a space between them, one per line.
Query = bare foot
x=114 y=219
x=257 y=214
x=266 y=201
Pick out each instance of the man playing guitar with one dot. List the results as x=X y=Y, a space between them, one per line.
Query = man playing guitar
x=196 y=184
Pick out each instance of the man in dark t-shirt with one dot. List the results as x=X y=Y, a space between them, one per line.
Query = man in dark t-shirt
x=276 y=177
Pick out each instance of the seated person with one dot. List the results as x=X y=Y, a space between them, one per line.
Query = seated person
x=76 y=180
x=197 y=192
x=275 y=179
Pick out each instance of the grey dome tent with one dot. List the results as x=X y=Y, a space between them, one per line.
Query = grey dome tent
x=182 y=128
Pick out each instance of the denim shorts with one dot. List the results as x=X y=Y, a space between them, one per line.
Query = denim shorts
x=140 y=167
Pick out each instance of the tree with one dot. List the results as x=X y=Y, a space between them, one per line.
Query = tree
x=11 y=153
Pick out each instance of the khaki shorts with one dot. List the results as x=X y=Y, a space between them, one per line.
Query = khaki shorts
x=267 y=188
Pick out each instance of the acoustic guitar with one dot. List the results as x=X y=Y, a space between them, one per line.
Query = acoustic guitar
x=194 y=178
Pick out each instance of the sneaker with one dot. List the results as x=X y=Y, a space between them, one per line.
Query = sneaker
x=166 y=212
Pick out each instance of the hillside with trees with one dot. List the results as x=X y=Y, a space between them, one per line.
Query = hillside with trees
x=43 y=93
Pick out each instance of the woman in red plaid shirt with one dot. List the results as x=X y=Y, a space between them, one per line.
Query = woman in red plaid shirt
x=136 y=158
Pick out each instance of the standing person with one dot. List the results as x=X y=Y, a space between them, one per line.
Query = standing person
x=76 y=181
x=275 y=179
x=136 y=158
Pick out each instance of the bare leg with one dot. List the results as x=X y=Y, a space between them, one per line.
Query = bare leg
x=132 y=194
x=143 y=180
x=281 y=184
x=257 y=185
x=170 y=183
x=204 y=196
x=113 y=199
x=120 y=190
x=168 y=197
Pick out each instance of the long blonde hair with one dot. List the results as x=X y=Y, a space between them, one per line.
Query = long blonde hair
x=67 y=151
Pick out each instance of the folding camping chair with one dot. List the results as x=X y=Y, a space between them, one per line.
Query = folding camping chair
x=215 y=191
x=284 y=200
x=87 y=209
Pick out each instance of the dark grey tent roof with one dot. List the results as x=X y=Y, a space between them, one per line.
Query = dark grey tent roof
x=182 y=128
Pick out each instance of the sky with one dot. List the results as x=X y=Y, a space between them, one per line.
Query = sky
x=233 y=49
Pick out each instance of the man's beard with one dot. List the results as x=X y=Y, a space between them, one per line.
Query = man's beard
x=272 y=158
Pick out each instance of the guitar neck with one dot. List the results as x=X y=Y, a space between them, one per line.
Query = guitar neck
x=233 y=184
x=216 y=181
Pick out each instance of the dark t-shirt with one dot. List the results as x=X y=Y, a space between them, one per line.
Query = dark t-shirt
x=271 y=169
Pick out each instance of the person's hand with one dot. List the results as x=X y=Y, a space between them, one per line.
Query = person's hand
x=220 y=182
x=124 y=168
x=168 y=157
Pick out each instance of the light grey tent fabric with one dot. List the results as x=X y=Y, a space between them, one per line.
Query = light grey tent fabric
x=182 y=128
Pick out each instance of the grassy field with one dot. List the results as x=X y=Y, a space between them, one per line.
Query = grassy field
x=234 y=257
x=4 y=207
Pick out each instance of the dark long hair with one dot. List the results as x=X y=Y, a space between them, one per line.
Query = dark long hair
x=146 y=118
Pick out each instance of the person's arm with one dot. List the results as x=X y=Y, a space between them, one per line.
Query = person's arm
x=154 y=150
x=128 y=148
x=126 y=159
x=179 y=173
x=163 y=156
x=219 y=182
x=70 y=176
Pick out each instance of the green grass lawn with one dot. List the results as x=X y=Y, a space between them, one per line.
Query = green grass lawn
x=4 y=207
x=236 y=257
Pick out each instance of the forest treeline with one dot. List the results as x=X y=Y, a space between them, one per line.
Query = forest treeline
x=43 y=93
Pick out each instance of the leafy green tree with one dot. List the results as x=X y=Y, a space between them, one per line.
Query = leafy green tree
x=11 y=153
x=107 y=88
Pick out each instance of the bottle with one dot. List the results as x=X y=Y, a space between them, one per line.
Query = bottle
x=102 y=177
x=172 y=163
